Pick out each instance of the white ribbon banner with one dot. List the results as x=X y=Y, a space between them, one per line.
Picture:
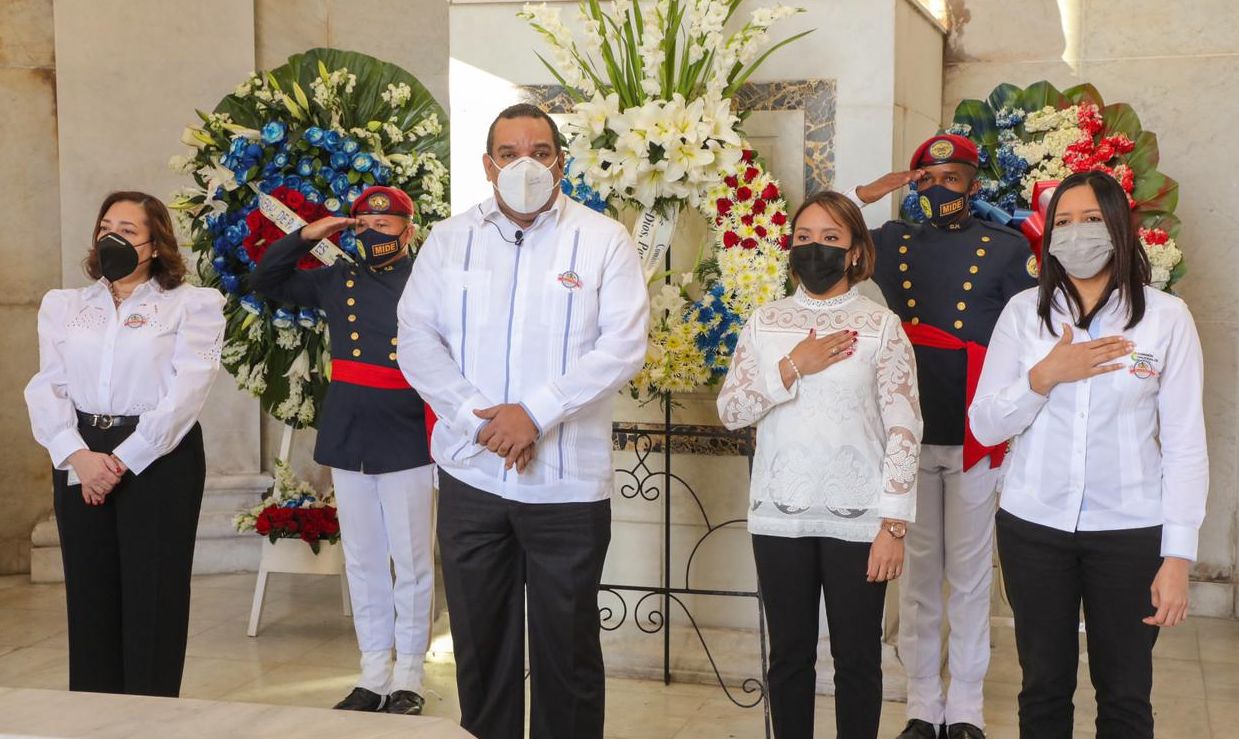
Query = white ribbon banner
x=653 y=233
x=288 y=221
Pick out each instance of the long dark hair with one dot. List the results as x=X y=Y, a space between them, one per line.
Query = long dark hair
x=1129 y=268
x=168 y=267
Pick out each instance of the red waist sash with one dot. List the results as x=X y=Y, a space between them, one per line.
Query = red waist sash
x=383 y=378
x=921 y=334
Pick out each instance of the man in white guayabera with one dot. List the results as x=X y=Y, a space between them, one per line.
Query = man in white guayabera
x=522 y=318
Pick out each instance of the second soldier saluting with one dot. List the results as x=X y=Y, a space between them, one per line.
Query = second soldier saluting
x=372 y=434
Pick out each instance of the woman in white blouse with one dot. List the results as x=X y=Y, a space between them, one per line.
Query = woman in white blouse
x=828 y=377
x=124 y=369
x=1096 y=378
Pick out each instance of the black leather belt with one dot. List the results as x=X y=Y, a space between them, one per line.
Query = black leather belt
x=95 y=420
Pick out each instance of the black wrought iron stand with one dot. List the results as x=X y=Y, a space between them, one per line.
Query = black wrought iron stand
x=640 y=481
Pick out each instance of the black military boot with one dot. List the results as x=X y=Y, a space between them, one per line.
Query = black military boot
x=918 y=729
x=405 y=702
x=361 y=700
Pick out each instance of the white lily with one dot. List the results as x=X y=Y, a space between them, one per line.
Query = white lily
x=299 y=370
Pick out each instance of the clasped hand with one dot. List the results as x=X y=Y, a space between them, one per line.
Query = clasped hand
x=510 y=433
x=99 y=473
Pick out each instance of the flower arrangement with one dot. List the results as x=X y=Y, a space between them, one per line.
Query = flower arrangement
x=653 y=129
x=287 y=147
x=293 y=511
x=1026 y=136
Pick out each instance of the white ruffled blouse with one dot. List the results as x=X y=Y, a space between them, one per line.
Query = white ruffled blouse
x=838 y=450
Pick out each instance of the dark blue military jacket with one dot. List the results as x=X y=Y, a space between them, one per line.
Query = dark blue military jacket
x=957 y=280
x=362 y=429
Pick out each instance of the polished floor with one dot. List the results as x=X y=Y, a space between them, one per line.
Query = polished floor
x=305 y=655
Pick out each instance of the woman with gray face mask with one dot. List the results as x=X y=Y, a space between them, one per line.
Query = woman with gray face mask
x=1096 y=378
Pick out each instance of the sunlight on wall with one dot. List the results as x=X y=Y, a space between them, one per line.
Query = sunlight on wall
x=477 y=96
x=1070 y=12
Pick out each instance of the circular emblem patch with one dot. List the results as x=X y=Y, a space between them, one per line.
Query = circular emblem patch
x=1143 y=369
x=378 y=202
x=135 y=320
x=941 y=149
x=926 y=207
x=570 y=280
x=1031 y=266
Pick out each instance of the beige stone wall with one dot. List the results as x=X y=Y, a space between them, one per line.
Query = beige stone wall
x=1179 y=68
x=30 y=253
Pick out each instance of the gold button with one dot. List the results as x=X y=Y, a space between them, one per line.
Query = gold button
x=915 y=320
x=354 y=336
x=356 y=352
x=959 y=324
x=980 y=252
x=967 y=285
x=903 y=250
x=911 y=302
x=985 y=239
x=348 y=284
x=351 y=301
x=392 y=356
x=907 y=236
x=974 y=269
x=907 y=284
x=393 y=341
x=351 y=318
x=903 y=268
x=961 y=305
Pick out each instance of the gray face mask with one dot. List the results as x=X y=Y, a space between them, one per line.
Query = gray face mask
x=1084 y=249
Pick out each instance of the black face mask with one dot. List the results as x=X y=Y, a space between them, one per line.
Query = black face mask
x=377 y=248
x=819 y=266
x=117 y=257
x=942 y=205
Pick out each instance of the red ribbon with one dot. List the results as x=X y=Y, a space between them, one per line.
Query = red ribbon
x=376 y=376
x=921 y=334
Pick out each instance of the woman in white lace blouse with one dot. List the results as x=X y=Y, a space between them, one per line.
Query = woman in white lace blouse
x=829 y=380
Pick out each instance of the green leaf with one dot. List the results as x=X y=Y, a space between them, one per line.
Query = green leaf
x=1084 y=93
x=980 y=117
x=1145 y=156
x=1156 y=191
x=1040 y=94
x=298 y=93
x=1004 y=96
x=354 y=177
x=740 y=80
x=1121 y=118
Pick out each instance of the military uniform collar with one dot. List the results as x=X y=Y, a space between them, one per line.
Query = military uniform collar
x=954 y=229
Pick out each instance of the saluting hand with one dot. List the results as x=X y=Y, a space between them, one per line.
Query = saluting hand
x=887 y=184
x=1068 y=362
x=329 y=226
x=98 y=472
x=812 y=355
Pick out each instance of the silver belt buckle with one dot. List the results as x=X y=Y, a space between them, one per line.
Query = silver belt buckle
x=103 y=422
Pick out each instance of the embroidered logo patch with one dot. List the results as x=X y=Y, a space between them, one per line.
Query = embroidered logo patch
x=570 y=280
x=1143 y=366
x=135 y=320
x=942 y=149
x=926 y=207
x=1032 y=268
x=378 y=202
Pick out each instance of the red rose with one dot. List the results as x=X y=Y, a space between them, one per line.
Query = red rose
x=783 y=242
x=254 y=220
x=724 y=206
x=749 y=243
x=743 y=194
x=750 y=173
x=730 y=239
x=759 y=206
x=256 y=250
x=779 y=218
x=747 y=219
x=749 y=155
x=771 y=192
x=731 y=181
x=293 y=199
x=761 y=231
x=263 y=524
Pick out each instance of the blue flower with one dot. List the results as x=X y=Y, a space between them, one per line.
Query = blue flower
x=219 y=264
x=252 y=304
x=340 y=185
x=313 y=135
x=362 y=162
x=236 y=233
x=236 y=147
x=307 y=318
x=332 y=140
x=326 y=174
x=354 y=192
x=269 y=184
x=348 y=240
x=292 y=181
x=910 y=209
x=273 y=132
x=212 y=220
x=243 y=256
x=311 y=194
x=1008 y=118
x=220 y=246
x=350 y=146
x=283 y=318
x=339 y=160
x=305 y=167
x=381 y=174
x=230 y=283
x=253 y=152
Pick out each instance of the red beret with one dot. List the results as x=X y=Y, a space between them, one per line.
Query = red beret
x=943 y=149
x=380 y=200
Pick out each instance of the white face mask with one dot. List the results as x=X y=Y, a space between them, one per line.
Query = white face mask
x=1084 y=249
x=525 y=185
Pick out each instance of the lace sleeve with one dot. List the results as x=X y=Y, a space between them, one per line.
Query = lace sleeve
x=900 y=406
x=752 y=388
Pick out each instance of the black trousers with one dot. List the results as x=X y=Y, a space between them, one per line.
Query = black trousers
x=127 y=567
x=496 y=552
x=1048 y=574
x=793 y=575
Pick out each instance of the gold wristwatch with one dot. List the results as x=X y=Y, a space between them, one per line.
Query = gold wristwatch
x=897 y=529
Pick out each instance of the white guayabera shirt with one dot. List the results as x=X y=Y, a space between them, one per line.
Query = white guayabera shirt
x=838 y=450
x=557 y=324
x=155 y=358
x=1122 y=450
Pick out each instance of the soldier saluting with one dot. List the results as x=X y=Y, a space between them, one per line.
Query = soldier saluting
x=948 y=279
